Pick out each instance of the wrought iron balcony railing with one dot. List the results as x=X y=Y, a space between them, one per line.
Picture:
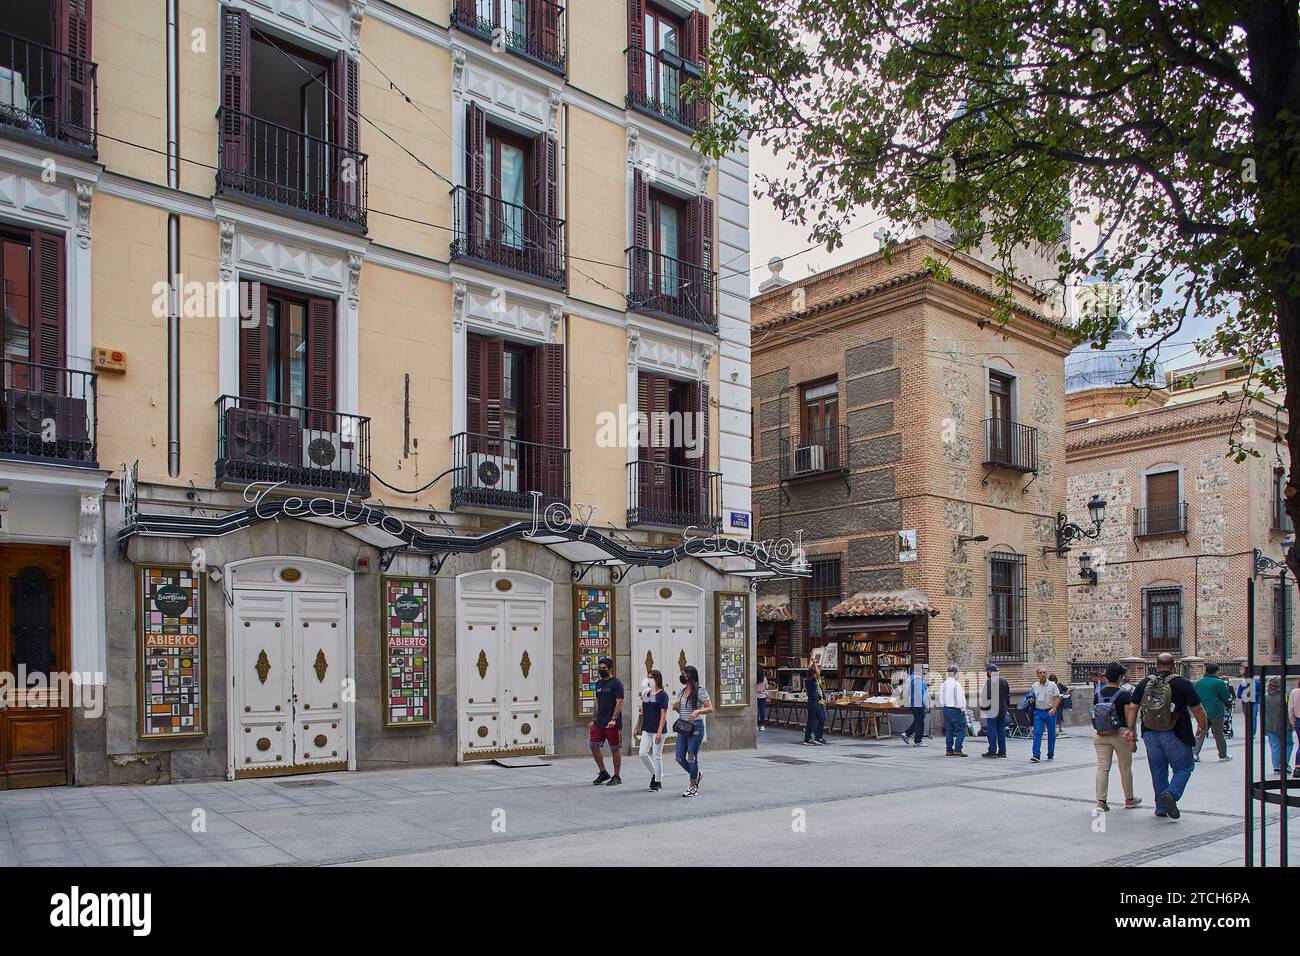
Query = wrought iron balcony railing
x=289 y=170
x=674 y=496
x=48 y=96
x=505 y=236
x=661 y=84
x=671 y=288
x=502 y=473
x=304 y=448
x=49 y=414
x=1156 y=520
x=1010 y=445
x=532 y=29
x=815 y=453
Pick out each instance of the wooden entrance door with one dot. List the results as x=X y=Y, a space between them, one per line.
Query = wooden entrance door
x=35 y=648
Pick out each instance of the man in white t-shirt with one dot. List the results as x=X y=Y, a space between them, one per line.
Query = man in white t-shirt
x=1047 y=702
x=952 y=698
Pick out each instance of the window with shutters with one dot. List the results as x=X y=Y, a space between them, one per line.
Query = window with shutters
x=47 y=409
x=1008 y=621
x=670 y=263
x=1162 y=620
x=665 y=58
x=1281 y=521
x=48 y=82
x=1164 y=511
x=290 y=125
x=506 y=216
x=1283 y=617
x=670 y=483
x=533 y=29
x=513 y=444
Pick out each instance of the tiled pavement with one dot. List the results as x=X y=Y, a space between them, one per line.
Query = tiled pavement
x=859 y=799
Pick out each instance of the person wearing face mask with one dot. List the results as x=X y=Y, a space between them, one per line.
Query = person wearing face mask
x=608 y=724
x=692 y=704
x=651 y=727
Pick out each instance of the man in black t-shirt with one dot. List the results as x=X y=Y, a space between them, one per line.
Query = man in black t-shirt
x=1114 y=742
x=1167 y=730
x=608 y=723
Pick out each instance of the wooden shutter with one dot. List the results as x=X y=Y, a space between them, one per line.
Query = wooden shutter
x=699 y=251
x=695 y=48
x=699 y=486
x=466 y=13
x=654 y=481
x=72 y=36
x=474 y=423
x=253 y=353
x=1162 y=489
x=544 y=28
x=345 y=131
x=236 y=50
x=546 y=466
x=542 y=230
x=492 y=393
x=920 y=640
x=476 y=171
x=640 y=263
x=49 y=290
x=322 y=360
x=636 y=88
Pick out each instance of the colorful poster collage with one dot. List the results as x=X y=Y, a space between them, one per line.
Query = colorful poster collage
x=172 y=646
x=733 y=643
x=593 y=617
x=408 y=647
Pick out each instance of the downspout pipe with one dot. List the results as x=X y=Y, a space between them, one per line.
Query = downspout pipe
x=173 y=244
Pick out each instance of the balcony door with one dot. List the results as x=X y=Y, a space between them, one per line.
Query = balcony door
x=819 y=423
x=673 y=481
x=1001 y=416
x=663 y=35
x=1163 y=513
x=671 y=260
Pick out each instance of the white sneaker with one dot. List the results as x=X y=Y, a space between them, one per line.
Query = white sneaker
x=690 y=792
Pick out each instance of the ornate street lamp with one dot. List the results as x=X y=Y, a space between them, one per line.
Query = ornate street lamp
x=1086 y=571
x=1067 y=531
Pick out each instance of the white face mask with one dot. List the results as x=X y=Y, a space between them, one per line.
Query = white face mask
x=647 y=689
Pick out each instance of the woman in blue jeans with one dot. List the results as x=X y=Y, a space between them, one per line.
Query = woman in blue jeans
x=692 y=704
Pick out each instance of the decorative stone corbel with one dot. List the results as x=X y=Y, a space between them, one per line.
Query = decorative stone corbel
x=633 y=136
x=706 y=164
x=356 y=13
x=457 y=74
x=458 y=293
x=88 y=531
x=84 y=193
x=4 y=510
x=554 y=101
x=555 y=325
x=354 y=279
x=706 y=359
x=227 y=266
x=633 y=349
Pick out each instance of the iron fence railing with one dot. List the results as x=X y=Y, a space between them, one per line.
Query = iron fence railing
x=684 y=292
x=48 y=95
x=815 y=453
x=290 y=169
x=674 y=496
x=503 y=473
x=1011 y=445
x=507 y=236
x=301 y=447
x=533 y=29
x=661 y=84
x=48 y=414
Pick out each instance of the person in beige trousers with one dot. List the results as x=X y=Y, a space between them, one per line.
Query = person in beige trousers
x=1114 y=740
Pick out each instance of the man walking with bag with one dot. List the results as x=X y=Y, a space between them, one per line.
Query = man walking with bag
x=1166 y=703
x=1110 y=721
x=997 y=703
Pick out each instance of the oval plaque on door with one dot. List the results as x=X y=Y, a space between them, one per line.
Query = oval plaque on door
x=171 y=600
x=504 y=584
x=290 y=574
x=665 y=593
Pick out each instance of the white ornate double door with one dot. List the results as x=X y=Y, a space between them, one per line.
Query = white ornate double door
x=503 y=665
x=667 y=634
x=290 y=677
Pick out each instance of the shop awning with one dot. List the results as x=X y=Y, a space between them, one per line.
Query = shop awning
x=891 y=603
x=580 y=545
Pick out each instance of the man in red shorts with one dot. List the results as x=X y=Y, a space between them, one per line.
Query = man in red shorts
x=608 y=723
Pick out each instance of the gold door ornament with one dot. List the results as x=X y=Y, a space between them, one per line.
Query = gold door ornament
x=263 y=666
x=649 y=662
x=525 y=664
x=482 y=664
x=321 y=740
x=321 y=665
x=681 y=659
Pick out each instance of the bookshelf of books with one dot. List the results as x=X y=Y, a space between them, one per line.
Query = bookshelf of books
x=869 y=660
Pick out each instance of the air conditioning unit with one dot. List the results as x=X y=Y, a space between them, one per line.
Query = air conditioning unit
x=13 y=94
x=493 y=472
x=327 y=451
x=263 y=438
x=46 y=420
x=810 y=458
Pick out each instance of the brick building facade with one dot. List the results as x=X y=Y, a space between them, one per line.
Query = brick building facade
x=894 y=421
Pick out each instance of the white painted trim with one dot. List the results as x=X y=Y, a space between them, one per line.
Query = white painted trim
x=323 y=25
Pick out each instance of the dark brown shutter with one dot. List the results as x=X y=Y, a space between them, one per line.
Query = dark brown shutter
x=543 y=232
x=1162 y=489
x=640 y=264
x=236 y=49
x=698 y=486
x=72 y=36
x=466 y=13
x=476 y=171
x=699 y=250
x=50 y=297
x=920 y=640
x=546 y=466
x=492 y=394
x=695 y=37
x=636 y=50
x=345 y=131
x=544 y=28
x=253 y=355
x=322 y=359
x=474 y=422
x=653 y=484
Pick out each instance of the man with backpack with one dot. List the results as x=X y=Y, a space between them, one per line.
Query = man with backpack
x=1166 y=703
x=1109 y=720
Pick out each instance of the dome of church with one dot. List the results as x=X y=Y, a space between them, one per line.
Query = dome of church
x=1087 y=367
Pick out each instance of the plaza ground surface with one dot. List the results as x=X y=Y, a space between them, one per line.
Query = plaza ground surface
x=871 y=802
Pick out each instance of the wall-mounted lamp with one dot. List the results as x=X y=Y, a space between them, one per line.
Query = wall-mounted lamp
x=962 y=539
x=1086 y=571
x=1067 y=531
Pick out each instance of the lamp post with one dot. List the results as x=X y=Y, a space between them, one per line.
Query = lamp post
x=1067 y=531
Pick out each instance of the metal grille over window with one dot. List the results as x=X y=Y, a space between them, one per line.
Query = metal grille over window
x=1008 y=623
x=822 y=592
x=1162 y=620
